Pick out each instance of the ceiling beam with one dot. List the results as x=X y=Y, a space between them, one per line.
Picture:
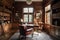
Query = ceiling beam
x=32 y=0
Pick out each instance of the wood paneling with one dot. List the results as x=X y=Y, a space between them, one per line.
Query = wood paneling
x=7 y=3
x=47 y=2
x=20 y=5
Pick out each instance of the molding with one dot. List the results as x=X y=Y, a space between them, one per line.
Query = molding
x=32 y=0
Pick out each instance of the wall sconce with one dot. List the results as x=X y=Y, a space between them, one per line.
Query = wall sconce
x=21 y=20
x=16 y=14
x=28 y=2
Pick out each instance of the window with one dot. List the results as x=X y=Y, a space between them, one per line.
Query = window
x=47 y=8
x=25 y=18
x=28 y=10
x=28 y=14
x=30 y=18
x=25 y=10
x=48 y=14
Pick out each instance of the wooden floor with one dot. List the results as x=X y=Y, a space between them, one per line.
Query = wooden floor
x=36 y=36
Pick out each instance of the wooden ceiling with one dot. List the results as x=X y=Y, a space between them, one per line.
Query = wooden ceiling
x=9 y=3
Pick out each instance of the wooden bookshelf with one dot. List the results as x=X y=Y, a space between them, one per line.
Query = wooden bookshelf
x=56 y=13
x=4 y=16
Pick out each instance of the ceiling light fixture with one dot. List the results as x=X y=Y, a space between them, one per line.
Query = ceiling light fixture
x=28 y=2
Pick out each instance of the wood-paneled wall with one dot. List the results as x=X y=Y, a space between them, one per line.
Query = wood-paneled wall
x=20 y=5
x=47 y=2
x=7 y=3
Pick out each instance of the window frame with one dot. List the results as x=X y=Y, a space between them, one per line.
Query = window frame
x=28 y=9
x=28 y=14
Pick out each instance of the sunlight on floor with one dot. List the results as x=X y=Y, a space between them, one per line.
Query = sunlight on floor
x=34 y=36
x=40 y=36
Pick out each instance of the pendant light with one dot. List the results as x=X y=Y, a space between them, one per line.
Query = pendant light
x=28 y=2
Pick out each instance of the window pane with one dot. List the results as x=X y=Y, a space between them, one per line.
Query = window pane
x=25 y=10
x=25 y=18
x=30 y=10
x=30 y=18
x=48 y=7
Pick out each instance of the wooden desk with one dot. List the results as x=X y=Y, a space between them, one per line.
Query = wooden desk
x=29 y=28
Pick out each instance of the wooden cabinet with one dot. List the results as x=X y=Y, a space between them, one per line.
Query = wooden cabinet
x=56 y=13
x=55 y=19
